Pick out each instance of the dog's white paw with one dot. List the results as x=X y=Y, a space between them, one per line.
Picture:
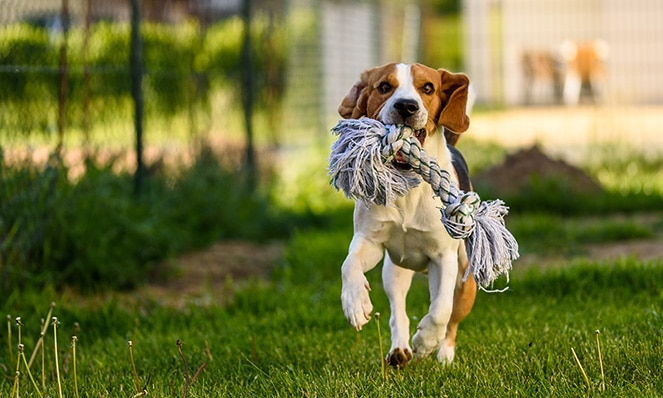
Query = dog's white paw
x=427 y=338
x=356 y=302
x=446 y=353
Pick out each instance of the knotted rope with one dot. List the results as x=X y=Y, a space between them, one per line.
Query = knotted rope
x=361 y=166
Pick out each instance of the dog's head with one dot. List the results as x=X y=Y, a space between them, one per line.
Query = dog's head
x=414 y=95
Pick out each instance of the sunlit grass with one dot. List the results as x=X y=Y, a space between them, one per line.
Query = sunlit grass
x=625 y=170
x=289 y=337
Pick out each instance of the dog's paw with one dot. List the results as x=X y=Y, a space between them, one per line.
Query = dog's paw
x=356 y=302
x=427 y=338
x=446 y=353
x=399 y=357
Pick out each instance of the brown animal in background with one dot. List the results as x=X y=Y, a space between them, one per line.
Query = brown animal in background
x=584 y=68
x=566 y=75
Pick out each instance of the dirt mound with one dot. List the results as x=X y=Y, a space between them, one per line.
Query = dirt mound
x=519 y=170
x=208 y=276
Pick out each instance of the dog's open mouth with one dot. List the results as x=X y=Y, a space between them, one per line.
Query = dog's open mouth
x=399 y=160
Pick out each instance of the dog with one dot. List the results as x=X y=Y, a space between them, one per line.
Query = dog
x=585 y=72
x=574 y=72
x=409 y=233
x=542 y=77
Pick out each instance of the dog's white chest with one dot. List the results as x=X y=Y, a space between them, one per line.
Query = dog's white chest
x=412 y=249
x=410 y=231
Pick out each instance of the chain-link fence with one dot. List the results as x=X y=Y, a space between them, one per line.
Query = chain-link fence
x=66 y=72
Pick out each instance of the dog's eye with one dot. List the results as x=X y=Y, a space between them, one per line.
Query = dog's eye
x=428 y=88
x=384 y=87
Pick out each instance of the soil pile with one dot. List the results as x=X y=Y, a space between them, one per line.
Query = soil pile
x=519 y=170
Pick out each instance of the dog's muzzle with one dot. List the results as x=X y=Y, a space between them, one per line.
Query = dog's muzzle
x=399 y=161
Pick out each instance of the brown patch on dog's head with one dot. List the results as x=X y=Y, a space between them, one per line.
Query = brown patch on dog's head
x=369 y=94
x=442 y=93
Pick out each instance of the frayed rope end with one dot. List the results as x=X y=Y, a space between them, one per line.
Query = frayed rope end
x=491 y=247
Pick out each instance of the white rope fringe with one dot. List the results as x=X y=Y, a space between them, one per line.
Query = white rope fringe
x=360 y=165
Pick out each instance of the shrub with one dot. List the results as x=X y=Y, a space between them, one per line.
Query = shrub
x=95 y=233
x=25 y=46
x=28 y=88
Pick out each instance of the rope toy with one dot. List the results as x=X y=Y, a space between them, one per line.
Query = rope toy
x=361 y=166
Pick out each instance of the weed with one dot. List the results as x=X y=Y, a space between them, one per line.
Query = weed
x=187 y=379
x=21 y=356
x=133 y=367
x=27 y=368
x=10 y=350
x=40 y=342
x=74 y=338
x=55 y=349
x=582 y=370
x=598 y=349
x=383 y=369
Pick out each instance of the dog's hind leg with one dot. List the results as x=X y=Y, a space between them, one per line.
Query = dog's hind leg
x=397 y=281
x=442 y=275
x=464 y=296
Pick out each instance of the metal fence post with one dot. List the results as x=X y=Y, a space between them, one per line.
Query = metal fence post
x=64 y=75
x=85 y=89
x=248 y=86
x=136 y=65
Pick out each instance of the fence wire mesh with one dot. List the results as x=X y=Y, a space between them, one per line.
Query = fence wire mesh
x=65 y=75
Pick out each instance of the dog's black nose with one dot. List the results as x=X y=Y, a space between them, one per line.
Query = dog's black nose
x=406 y=107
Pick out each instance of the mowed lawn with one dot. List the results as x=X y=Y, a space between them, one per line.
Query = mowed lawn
x=287 y=336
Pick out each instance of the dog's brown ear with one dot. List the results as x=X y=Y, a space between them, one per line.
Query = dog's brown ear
x=454 y=93
x=353 y=105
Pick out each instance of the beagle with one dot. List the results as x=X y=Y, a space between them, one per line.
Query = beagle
x=409 y=233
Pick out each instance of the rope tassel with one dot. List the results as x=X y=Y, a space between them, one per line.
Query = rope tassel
x=360 y=165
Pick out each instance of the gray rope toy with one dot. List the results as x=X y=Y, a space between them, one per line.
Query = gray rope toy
x=360 y=165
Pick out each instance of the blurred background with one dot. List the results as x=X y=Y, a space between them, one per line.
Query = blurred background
x=155 y=127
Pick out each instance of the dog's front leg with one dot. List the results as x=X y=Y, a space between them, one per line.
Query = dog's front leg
x=397 y=282
x=442 y=274
x=363 y=256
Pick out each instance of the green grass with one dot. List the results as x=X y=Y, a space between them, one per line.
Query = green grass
x=288 y=337
x=559 y=235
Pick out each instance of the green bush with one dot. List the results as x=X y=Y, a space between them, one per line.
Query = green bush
x=95 y=233
x=27 y=95
x=170 y=53
x=22 y=45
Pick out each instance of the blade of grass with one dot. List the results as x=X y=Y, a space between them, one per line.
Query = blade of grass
x=9 y=336
x=55 y=348
x=581 y=368
x=25 y=362
x=74 y=338
x=598 y=347
x=382 y=358
x=133 y=366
